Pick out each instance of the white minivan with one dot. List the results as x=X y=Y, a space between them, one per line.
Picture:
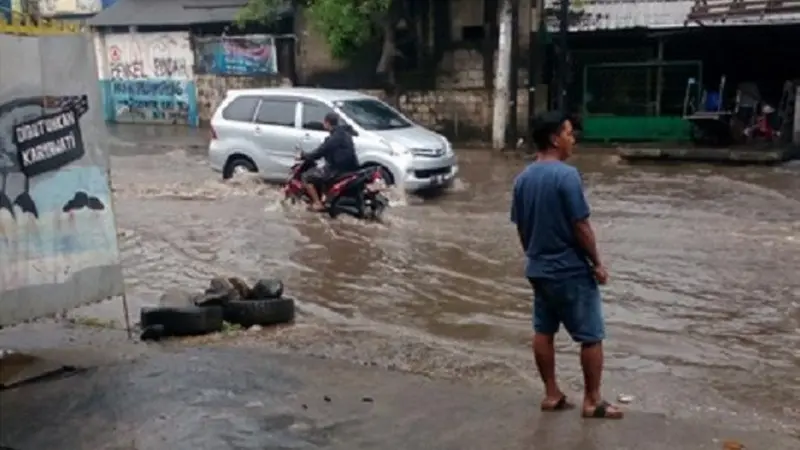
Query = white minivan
x=260 y=130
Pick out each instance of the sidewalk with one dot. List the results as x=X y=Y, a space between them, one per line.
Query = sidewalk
x=156 y=398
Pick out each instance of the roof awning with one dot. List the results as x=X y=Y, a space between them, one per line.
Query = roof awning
x=168 y=12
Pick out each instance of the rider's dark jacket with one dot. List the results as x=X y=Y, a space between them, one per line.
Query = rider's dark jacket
x=338 y=151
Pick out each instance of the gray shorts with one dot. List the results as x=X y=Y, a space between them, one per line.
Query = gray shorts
x=318 y=176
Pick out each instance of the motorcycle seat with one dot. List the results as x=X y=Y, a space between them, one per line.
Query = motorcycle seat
x=341 y=176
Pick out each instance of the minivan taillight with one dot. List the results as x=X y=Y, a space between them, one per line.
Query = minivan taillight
x=213 y=133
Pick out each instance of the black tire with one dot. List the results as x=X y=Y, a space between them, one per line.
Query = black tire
x=266 y=288
x=260 y=312
x=378 y=207
x=235 y=162
x=387 y=176
x=186 y=321
x=333 y=209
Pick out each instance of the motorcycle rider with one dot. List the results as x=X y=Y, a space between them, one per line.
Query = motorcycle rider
x=340 y=157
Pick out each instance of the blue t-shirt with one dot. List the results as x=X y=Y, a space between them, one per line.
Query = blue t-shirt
x=547 y=201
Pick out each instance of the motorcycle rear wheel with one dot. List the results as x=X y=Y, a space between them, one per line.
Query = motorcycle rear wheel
x=378 y=206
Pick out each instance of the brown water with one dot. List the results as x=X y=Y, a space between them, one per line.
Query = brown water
x=703 y=306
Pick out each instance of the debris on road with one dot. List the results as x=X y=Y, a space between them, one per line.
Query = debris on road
x=227 y=301
x=625 y=399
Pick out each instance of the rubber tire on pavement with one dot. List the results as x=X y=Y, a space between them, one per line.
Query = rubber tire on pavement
x=268 y=311
x=266 y=288
x=185 y=321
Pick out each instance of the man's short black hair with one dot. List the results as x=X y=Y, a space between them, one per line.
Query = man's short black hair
x=546 y=126
x=332 y=119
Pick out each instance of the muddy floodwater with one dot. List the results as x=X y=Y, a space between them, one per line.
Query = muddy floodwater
x=703 y=305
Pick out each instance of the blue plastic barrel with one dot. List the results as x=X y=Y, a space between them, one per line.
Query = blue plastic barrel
x=712 y=101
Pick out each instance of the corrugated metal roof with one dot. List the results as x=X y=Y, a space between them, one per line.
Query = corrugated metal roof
x=591 y=15
x=168 y=12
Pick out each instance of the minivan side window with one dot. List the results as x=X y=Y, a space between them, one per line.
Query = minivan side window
x=276 y=112
x=241 y=109
x=314 y=115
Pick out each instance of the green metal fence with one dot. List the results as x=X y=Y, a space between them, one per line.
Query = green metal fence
x=637 y=101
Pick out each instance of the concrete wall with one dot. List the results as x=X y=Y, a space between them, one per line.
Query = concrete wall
x=147 y=77
x=58 y=242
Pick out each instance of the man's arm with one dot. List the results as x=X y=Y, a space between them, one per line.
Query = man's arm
x=578 y=212
x=326 y=147
x=515 y=218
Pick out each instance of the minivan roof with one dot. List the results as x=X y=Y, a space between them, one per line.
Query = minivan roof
x=327 y=95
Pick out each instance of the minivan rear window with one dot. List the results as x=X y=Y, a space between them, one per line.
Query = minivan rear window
x=242 y=109
x=372 y=114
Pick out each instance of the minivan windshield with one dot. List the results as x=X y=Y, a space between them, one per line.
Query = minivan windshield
x=372 y=115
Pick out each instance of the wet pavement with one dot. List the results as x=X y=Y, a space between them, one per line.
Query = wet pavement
x=191 y=399
x=703 y=306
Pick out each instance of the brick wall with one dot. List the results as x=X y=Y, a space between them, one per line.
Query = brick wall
x=211 y=90
x=460 y=114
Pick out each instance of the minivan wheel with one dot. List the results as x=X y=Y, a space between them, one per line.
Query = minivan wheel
x=238 y=165
x=387 y=176
x=385 y=173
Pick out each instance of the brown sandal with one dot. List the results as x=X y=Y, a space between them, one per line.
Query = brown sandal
x=601 y=412
x=561 y=405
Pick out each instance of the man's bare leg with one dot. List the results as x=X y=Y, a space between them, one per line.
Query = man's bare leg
x=592 y=365
x=316 y=203
x=544 y=352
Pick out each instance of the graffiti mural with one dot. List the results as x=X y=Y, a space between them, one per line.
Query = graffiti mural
x=149 y=78
x=54 y=214
x=145 y=100
x=243 y=55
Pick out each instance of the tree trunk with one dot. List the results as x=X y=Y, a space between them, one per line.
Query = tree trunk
x=388 y=49
x=502 y=77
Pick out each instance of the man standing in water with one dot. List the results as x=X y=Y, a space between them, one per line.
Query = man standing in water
x=563 y=265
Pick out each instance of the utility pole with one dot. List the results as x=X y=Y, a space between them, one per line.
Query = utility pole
x=513 y=82
x=563 y=53
x=502 y=76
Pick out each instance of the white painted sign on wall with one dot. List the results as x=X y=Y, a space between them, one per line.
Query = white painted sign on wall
x=133 y=56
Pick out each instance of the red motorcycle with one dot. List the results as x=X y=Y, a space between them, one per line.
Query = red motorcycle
x=358 y=193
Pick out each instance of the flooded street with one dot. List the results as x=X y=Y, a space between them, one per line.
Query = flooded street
x=703 y=305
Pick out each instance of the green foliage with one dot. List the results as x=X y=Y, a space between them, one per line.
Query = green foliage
x=347 y=25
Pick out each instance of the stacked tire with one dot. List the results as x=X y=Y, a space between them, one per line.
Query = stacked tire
x=229 y=300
